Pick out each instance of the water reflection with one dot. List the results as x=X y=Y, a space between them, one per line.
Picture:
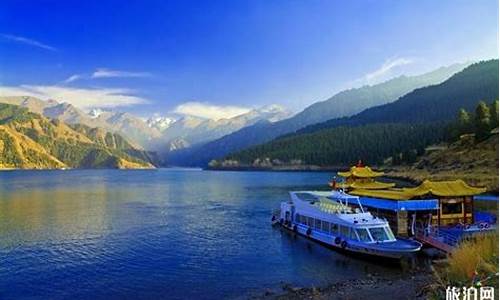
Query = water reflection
x=147 y=234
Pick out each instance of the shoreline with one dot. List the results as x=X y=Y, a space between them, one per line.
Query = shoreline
x=301 y=168
x=412 y=286
x=69 y=169
x=399 y=173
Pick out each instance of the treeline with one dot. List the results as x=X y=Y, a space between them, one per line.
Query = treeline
x=435 y=103
x=372 y=143
x=479 y=122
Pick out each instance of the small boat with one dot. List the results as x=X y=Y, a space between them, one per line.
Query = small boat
x=338 y=220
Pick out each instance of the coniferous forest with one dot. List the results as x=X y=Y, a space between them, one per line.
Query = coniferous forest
x=400 y=130
x=338 y=146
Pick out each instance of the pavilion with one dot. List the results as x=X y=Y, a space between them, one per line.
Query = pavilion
x=361 y=177
x=435 y=203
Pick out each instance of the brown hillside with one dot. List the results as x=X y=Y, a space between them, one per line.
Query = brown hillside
x=476 y=163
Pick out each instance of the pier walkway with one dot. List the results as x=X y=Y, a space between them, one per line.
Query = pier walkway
x=439 y=239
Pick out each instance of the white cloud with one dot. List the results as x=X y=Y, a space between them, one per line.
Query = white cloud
x=387 y=67
x=73 y=78
x=107 y=73
x=209 y=111
x=383 y=72
x=80 y=97
x=27 y=41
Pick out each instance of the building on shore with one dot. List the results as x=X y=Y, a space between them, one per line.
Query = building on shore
x=360 y=177
x=432 y=204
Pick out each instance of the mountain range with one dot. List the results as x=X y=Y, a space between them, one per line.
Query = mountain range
x=189 y=130
x=133 y=128
x=159 y=134
x=342 y=104
x=439 y=102
x=411 y=123
x=31 y=141
x=395 y=111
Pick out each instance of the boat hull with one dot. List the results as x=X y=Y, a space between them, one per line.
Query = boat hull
x=371 y=250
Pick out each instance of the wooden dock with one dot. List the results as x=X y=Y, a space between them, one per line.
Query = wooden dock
x=435 y=242
x=439 y=239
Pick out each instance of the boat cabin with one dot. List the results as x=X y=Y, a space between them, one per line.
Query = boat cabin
x=336 y=214
x=339 y=220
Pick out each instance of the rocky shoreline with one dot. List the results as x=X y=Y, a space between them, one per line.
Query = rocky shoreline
x=283 y=168
x=412 y=286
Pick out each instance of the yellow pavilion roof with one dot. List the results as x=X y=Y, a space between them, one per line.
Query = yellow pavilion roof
x=393 y=194
x=374 y=185
x=360 y=172
x=364 y=185
x=436 y=188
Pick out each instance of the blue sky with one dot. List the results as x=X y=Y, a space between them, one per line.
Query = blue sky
x=163 y=56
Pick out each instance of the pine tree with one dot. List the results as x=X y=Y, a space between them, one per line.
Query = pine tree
x=482 y=121
x=464 y=121
x=494 y=114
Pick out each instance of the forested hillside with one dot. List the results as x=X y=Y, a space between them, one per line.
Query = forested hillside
x=343 y=145
x=471 y=152
x=430 y=104
x=31 y=141
x=406 y=126
x=345 y=103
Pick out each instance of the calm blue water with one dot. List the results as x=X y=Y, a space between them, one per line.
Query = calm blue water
x=177 y=234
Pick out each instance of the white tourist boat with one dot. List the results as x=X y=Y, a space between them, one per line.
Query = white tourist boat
x=338 y=219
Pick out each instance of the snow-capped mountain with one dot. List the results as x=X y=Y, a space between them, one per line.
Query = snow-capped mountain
x=159 y=133
x=131 y=127
x=160 y=123
x=95 y=112
x=190 y=130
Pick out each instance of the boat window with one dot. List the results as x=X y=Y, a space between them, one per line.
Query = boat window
x=363 y=235
x=344 y=230
x=389 y=233
x=317 y=224
x=379 y=234
x=310 y=222
x=334 y=228
x=297 y=218
x=353 y=235
x=325 y=226
x=303 y=220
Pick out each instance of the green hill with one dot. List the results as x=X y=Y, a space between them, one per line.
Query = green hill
x=31 y=141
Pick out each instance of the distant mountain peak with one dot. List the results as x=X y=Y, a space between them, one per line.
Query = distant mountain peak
x=343 y=104
x=272 y=108
x=159 y=122
x=52 y=102
x=95 y=112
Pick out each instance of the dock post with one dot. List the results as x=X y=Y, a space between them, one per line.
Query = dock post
x=402 y=221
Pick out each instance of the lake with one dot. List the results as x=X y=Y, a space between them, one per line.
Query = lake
x=166 y=233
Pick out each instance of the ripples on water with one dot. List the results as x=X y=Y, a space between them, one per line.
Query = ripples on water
x=174 y=234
